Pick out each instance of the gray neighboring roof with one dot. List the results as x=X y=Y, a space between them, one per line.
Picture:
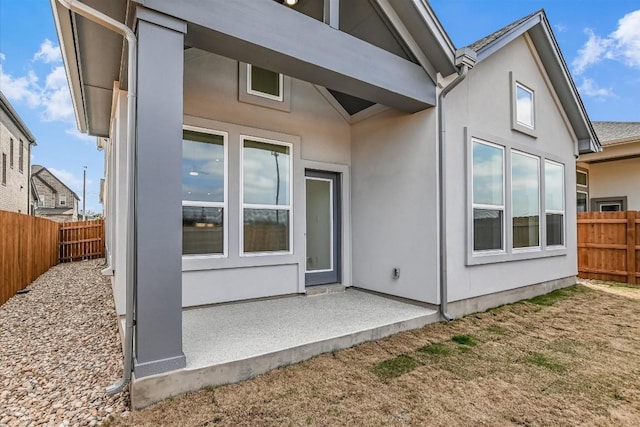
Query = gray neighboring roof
x=540 y=32
x=35 y=172
x=8 y=108
x=611 y=133
x=55 y=211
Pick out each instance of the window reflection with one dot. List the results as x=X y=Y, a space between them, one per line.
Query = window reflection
x=202 y=167
x=488 y=174
x=266 y=230
x=524 y=106
x=202 y=231
x=266 y=173
x=525 y=190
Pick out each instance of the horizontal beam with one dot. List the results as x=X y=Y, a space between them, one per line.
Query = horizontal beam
x=276 y=37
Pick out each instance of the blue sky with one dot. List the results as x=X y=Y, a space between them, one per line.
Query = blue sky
x=600 y=41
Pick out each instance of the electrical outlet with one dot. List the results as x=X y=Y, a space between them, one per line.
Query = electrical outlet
x=396 y=272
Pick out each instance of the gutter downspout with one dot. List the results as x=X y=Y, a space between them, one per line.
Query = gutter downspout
x=465 y=60
x=132 y=43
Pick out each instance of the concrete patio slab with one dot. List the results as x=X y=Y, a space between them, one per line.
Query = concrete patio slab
x=233 y=342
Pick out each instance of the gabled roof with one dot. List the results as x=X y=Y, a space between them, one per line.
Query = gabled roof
x=15 y=118
x=537 y=27
x=611 y=133
x=36 y=170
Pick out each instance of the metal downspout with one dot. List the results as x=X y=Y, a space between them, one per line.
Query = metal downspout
x=442 y=212
x=132 y=43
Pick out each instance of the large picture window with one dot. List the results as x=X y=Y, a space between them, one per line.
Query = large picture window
x=525 y=200
x=266 y=196
x=203 y=192
x=488 y=196
x=554 y=202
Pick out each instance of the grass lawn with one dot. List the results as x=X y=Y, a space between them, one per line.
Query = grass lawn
x=570 y=358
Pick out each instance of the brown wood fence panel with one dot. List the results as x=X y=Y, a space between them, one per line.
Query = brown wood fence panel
x=609 y=246
x=81 y=240
x=28 y=248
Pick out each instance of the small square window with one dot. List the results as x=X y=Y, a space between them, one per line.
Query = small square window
x=582 y=178
x=263 y=82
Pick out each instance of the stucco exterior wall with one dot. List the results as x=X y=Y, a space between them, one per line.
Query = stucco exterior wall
x=394 y=209
x=14 y=195
x=616 y=178
x=481 y=107
x=320 y=138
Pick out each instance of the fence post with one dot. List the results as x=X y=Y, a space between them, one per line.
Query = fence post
x=631 y=247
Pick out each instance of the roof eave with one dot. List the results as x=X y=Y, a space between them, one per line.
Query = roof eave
x=68 y=47
x=15 y=117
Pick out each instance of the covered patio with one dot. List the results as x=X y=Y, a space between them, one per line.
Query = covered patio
x=232 y=342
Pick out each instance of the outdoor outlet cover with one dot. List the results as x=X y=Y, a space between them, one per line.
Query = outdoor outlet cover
x=396 y=273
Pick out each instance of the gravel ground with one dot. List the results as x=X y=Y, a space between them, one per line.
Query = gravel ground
x=59 y=349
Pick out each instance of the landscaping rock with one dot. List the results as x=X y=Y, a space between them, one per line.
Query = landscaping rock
x=59 y=349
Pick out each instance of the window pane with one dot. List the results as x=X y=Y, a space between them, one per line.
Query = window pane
x=581 y=178
x=488 y=174
x=554 y=186
x=487 y=229
x=555 y=229
x=610 y=207
x=525 y=198
x=202 y=167
x=319 y=224
x=265 y=173
x=524 y=106
x=202 y=231
x=266 y=230
x=582 y=202
x=265 y=81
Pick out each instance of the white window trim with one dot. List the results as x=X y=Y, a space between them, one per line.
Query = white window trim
x=278 y=98
x=515 y=124
x=553 y=211
x=223 y=205
x=508 y=255
x=586 y=174
x=62 y=200
x=533 y=104
x=244 y=205
x=331 y=197
x=540 y=204
x=618 y=204
x=501 y=208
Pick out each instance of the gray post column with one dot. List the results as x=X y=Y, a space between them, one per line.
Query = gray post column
x=158 y=310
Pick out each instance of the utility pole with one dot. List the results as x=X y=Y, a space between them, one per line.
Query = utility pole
x=84 y=194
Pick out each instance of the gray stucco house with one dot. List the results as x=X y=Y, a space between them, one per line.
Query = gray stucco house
x=257 y=150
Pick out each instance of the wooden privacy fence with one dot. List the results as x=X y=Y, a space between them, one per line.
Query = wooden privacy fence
x=81 y=240
x=29 y=246
x=609 y=246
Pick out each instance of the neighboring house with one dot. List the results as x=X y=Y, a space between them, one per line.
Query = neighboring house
x=55 y=200
x=15 y=159
x=608 y=180
x=321 y=162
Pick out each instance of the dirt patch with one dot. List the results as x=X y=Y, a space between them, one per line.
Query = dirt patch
x=571 y=361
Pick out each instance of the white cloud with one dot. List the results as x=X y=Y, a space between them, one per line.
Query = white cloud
x=81 y=136
x=2 y=57
x=560 y=28
x=48 y=52
x=52 y=98
x=70 y=180
x=623 y=45
x=591 y=88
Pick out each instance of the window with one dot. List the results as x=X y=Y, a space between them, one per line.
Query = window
x=525 y=200
x=582 y=201
x=554 y=202
x=21 y=156
x=62 y=200
x=203 y=192
x=263 y=82
x=609 y=204
x=582 y=178
x=488 y=196
x=41 y=201
x=4 y=169
x=266 y=196
x=11 y=153
x=524 y=106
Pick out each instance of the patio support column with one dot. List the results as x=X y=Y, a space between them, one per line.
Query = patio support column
x=158 y=302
